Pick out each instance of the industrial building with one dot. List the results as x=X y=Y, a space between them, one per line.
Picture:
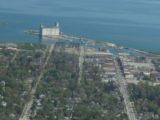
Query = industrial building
x=50 y=31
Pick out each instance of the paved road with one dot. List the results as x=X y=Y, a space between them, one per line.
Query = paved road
x=27 y=109
x=123 y=89
x=12 y=60
x=81 y=61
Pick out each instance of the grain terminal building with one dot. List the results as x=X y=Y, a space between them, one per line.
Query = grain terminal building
x=50 y=31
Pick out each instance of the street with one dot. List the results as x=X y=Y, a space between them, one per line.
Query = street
x=26 y=111
x=123 y=89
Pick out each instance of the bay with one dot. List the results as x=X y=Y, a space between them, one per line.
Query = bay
x=131 y=23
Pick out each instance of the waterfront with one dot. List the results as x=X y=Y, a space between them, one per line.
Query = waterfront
x=130 y=23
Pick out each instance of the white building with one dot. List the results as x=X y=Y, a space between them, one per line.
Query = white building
x=50 y=31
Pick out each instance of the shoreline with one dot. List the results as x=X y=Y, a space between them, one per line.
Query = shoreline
x=102 y=43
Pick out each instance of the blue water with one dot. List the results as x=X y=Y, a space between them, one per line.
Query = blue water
x=132 y=23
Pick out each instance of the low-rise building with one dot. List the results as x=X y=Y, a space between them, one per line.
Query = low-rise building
x=134 y=66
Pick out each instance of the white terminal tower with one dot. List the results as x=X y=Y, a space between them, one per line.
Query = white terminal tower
x=50 y=31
